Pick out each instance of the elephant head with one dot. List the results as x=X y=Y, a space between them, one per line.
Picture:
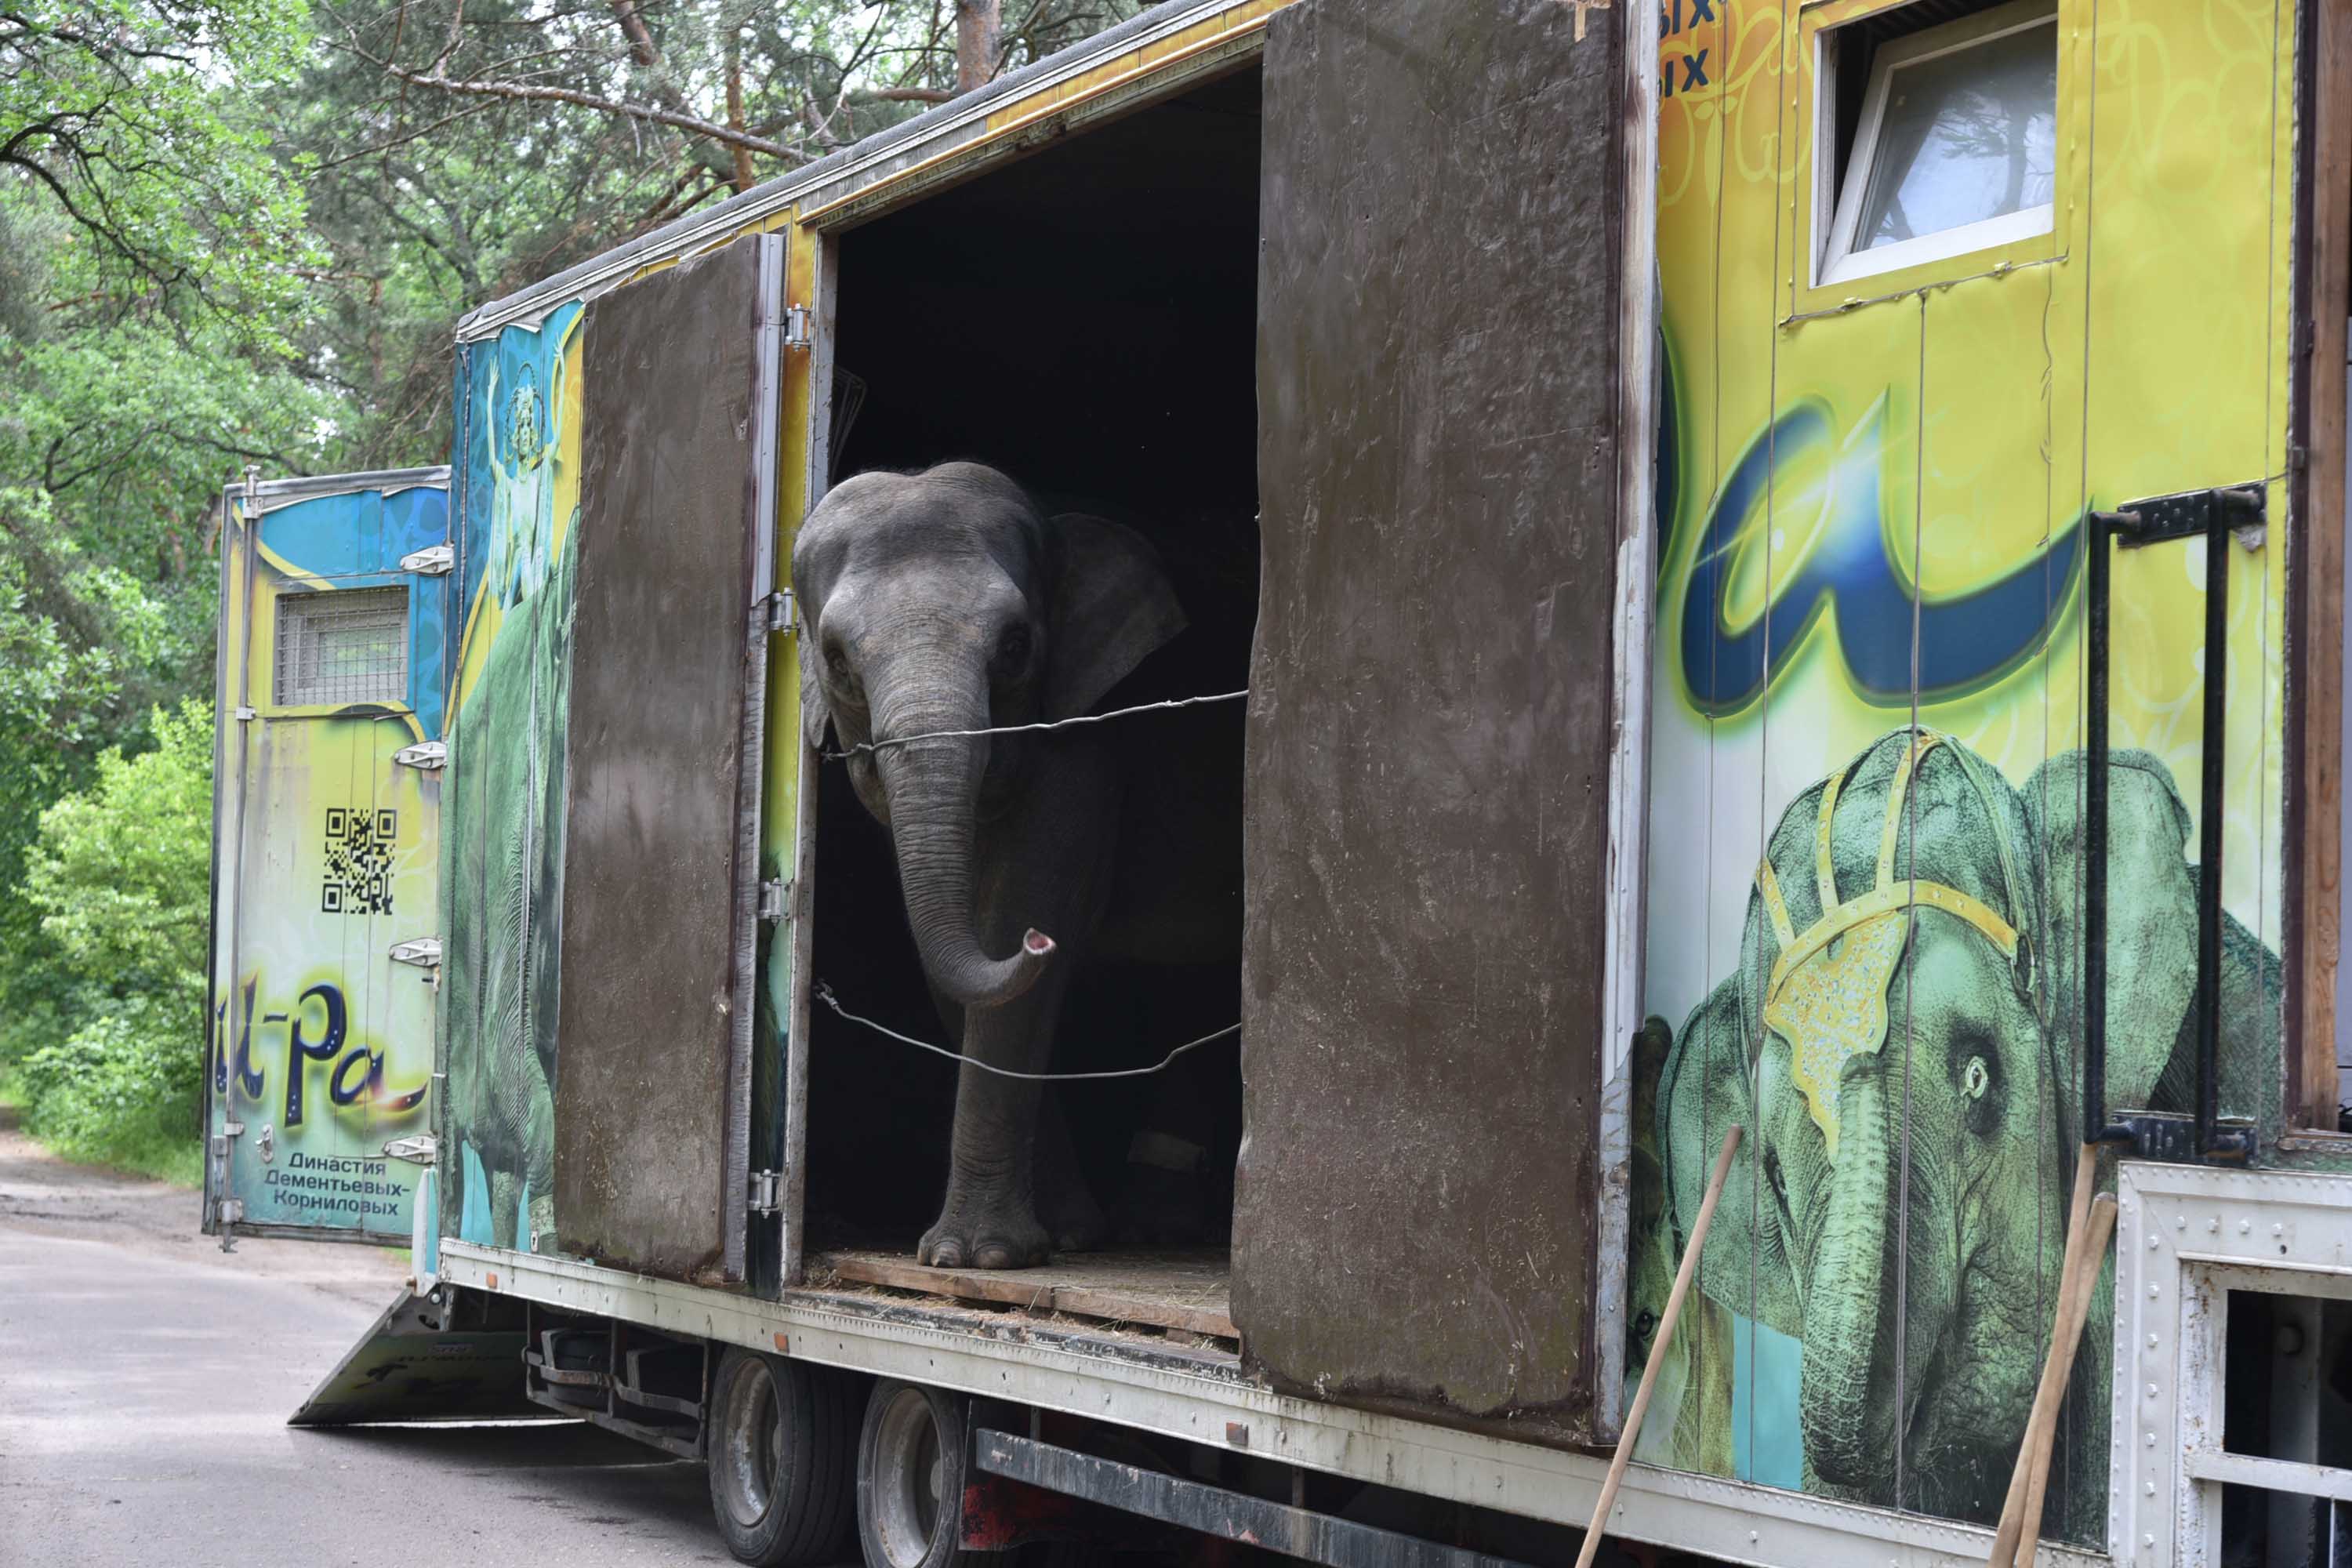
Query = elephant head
x=945 y=601
x=1902 y=1036
x=1882 y=1038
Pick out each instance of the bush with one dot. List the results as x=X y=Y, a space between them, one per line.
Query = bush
x=121 y=877
x=122 y=1090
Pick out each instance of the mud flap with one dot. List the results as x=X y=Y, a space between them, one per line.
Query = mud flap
x=412 y=1366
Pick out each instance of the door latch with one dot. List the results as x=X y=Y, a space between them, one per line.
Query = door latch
x=433 y=561
x=425 y=755
x=423 y=952
x=267 y=1143
x=422 y=1149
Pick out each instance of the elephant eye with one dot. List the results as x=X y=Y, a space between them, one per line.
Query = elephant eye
x=1644 y=1325
x=1975 y=1077
x=1013 y=650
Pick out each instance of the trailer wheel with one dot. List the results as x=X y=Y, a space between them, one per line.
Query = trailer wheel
x=910 y=1475
x=779 y=1439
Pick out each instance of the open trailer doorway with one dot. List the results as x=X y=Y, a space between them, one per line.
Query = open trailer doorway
x=1084 y=321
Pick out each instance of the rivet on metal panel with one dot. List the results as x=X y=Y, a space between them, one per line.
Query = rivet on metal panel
x=1237 y=1433
x=2180 y=1222
x=2214 y=1224
x=2151 y=1439
x=2151 y=1341
x=2245 y=1226
x=2152 y=1292
x=2154 y=1242
x=2151 y=1391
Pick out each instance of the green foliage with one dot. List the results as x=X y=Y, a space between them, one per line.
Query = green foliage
x=121 y=871
x=120 y=878
x=121 y=1090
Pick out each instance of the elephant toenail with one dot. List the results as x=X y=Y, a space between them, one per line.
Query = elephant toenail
x=996 y=1255
x=947 y=1255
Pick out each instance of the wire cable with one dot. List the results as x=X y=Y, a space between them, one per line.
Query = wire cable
x=824 y=994
x=871 y=746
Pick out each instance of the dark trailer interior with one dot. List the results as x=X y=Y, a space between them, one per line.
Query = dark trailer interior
x=1084 y=320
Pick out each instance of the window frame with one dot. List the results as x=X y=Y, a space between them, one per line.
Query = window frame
x=1838 y=203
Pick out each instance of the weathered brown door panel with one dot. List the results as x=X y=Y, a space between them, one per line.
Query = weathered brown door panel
x=669 y=675
x=1430 y=738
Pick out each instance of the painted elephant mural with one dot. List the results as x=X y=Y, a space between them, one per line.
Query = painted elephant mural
x=505 y=931
x=1901 y=1037
x=503 y=844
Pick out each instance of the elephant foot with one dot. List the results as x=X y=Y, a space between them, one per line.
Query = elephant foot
x=542 y=1224
x=981 y=1236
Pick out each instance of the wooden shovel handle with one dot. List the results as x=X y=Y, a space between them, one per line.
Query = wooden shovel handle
x=2062 y=1355
x=2075 y=1280
x=1657 y=1347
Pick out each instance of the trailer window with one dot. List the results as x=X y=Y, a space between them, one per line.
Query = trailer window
x=347 y=645
x=1950 y=145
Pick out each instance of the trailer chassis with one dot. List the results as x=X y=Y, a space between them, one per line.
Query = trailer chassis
x=1203 y=1396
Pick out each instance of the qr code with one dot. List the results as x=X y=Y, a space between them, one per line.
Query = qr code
x=359 y=861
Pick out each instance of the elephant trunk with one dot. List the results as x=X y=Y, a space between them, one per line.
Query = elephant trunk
x=1848 y=1404
x=933 y=790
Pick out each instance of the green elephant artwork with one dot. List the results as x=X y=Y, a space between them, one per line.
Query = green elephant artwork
x=504 y=846
x=1901 y=1038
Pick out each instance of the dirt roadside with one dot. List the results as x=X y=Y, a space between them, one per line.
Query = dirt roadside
x=44 y=1195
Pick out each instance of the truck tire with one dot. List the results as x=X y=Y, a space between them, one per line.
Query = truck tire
x=911 y=1456
x=779 y=1438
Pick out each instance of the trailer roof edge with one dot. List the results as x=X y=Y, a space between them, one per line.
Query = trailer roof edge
x=933 y=130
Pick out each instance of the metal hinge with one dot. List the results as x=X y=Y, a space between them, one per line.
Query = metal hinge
x=229 y=1130
x=424 y=951
x=422 y=1149
x=242 y=715
x=797 y=326
x=426 y=754
x=767 y=1189
x=775 y=899
x=779 y=611
x=232 y=1212
x=433 y=561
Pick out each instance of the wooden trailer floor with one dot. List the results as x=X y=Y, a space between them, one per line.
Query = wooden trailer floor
x=1182 y=1291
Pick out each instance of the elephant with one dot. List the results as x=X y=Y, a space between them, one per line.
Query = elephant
x=504 y=850
x=948 y=601
x=1902 y=1038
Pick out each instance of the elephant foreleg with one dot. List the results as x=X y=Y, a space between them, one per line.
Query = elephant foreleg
x=506 y=1202
x=989 y=1219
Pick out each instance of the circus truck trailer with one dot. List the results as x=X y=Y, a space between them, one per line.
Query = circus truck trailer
x=1758 y=566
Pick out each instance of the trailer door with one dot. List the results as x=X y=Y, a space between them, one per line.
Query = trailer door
x=334 y=613
x=670 y=628
x=1454 y=323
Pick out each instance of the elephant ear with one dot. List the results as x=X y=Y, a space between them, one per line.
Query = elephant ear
x=2151 y=919
x=814 y=715
x=1112 y=606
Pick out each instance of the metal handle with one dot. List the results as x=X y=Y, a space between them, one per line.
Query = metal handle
x=2214 y=514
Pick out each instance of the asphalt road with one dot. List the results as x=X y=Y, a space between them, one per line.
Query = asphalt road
x=146 y=1378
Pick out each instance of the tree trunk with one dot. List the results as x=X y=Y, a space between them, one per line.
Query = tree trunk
x=979 y=26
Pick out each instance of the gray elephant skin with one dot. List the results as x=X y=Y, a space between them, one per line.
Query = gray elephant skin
x=1901 y=1201
x=949 y=601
